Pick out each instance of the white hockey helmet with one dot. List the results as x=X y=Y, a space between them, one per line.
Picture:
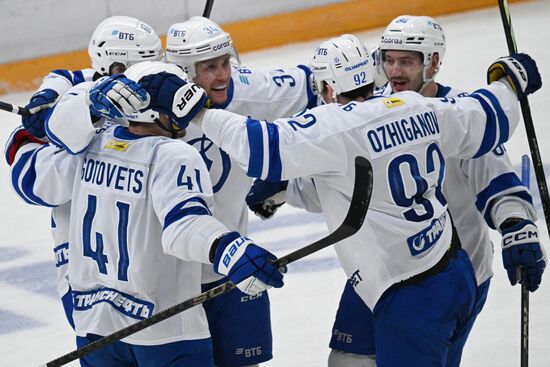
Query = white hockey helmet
x=415 y=33
x=344 y=63
x=123 y=40
x=195 y=40
x=137 y=71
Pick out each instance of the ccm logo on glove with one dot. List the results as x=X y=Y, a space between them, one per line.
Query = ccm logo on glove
x=520 y=237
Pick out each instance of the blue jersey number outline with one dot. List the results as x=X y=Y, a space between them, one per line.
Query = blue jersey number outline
x=98 y=254
x=397 y=183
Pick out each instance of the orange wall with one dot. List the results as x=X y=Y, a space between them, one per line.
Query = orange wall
x=348 y=17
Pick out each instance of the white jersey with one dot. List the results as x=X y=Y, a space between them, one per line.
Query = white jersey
x=135 y=201
x=61 y=81
x=472 y=187
x=261 y=95
x=406 y=136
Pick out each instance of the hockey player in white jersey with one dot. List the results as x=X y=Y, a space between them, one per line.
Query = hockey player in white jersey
x=204 y=51
x=143 y=204
x=481 y=193
x=420 y=285
x=116 y=43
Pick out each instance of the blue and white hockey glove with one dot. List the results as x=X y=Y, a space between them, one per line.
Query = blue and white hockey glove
x=520 y=70
x=265 y=197
x=175 y=97
x=248 y=266
x=521 y=248
x=116 y=96
x=40 y=108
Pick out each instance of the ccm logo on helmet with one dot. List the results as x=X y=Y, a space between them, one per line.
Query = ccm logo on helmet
x=520 y=236
x=187 y=96
x=221 y=46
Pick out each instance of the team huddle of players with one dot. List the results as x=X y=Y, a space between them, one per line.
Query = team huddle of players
x=147 y=160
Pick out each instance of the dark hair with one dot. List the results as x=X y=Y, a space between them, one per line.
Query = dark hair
x=361 y=92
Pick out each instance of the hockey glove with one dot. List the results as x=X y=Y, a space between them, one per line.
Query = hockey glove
x=248 y=266
x=521 y=248
x=116 y=96
x=174 y=97
x=265 y=197
x=17 y=139
x=40 y=108
x=520 y=70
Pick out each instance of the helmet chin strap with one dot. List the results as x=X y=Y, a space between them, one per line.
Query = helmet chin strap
x=173 y=132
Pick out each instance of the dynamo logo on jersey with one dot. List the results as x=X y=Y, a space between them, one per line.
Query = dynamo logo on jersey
x=426 y=238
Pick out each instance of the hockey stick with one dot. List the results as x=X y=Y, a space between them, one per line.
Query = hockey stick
x=527 y=119
x=353 y=221
x=524 y=337
x=208 y=8
x=14 y=109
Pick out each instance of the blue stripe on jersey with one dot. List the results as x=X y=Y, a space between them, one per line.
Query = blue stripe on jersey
x=16 y=173
x=506 y=181
x=490 y=134
x=78 y=77
x=65 y=74
x=230 y=90
x=179 y=211
x=256 y=148
x=275 y=166
x=29 y=179
x=311 y=98
x=503 y=124
x=25 y=189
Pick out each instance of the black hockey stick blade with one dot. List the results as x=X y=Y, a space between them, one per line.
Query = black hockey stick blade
x=14 y=109
x=360 y=199
x=208 y=8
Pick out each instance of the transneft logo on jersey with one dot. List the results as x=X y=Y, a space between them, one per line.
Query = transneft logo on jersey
x=61 y=254
x=387 y=136
x=122 y=302
x=426 y=238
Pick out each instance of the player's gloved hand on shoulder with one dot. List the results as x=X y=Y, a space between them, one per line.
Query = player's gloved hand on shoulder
x=520 y=70
x=265 y=197
x=521 y=248
x=175 y=97
x=250 y=267
x=116 y=96
x=40 y=107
